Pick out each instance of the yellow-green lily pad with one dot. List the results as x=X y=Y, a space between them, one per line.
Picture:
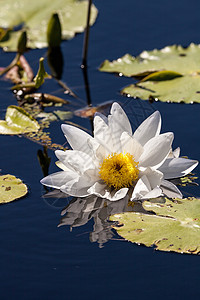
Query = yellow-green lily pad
x=11 y=188
x=183 y=89
x=35 y=15
x=174 y=226
x=171 y=74
x=18 y=121
x=174 y=58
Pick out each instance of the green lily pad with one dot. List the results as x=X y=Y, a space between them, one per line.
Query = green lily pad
x=171 y=74
x=11 y=188
x=174 y=58
x=174 y=226
x=18 y=121
x=35 y=15
x=183 y=89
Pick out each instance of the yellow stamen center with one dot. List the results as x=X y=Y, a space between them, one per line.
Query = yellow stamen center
x=119 y=170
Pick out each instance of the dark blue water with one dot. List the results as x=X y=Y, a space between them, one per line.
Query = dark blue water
x=39 y=260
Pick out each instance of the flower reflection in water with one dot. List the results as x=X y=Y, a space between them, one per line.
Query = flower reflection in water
x=80 y=210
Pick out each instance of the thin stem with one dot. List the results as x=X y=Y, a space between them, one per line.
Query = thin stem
x=87 y=87
x=86 y=37
x=87 y=90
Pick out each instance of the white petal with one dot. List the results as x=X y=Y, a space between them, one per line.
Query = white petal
x=56 y=180
x=94 y=146
x=148 y=129
x=102 y=133
x=177 y=167
x=156 y=192
x=131 y=145
x=77 y=187
x=148 y=185
x=118 y=123
x=101 y=190
x=156 y=150
x=93 y=174
x=98 y=189
x=60 y=165
x=141 y=188
x=117 y=195
x=77 y=161
x=103 y=117
x=120 y=118
x=101 y=153
x=154 y=177
x=170 y=190
x=175 y=153
x=76 y=137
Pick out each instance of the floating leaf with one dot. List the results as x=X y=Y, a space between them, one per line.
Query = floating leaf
x=11 y=188
x=18 y=121
x=35 y=15
x=184 y=89
x=155 y=68
x=175 y=227
x=174 y=58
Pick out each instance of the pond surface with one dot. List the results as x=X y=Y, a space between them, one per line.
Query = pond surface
x=38 y=260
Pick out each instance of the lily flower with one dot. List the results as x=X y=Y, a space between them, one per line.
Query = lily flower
x=117 y=162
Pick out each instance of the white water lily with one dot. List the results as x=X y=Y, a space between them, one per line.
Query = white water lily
x=116 y=162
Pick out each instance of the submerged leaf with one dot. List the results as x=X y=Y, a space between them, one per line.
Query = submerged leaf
x=11 y=188
x=35 y=16
x=55 y=115
x=18 y=121
x=170 y=74
x=174 y=226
